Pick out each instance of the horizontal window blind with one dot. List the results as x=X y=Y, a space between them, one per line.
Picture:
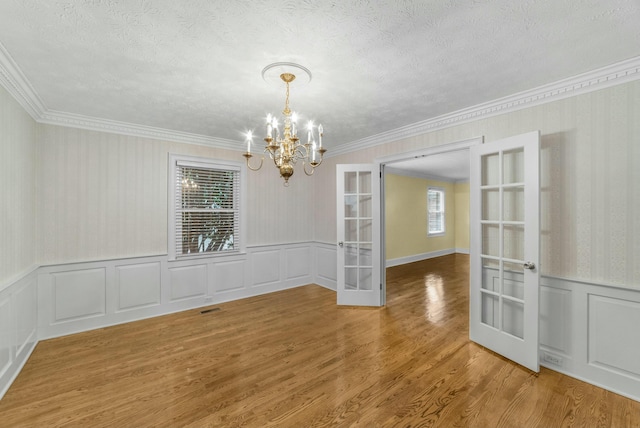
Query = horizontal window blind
x=207 y=209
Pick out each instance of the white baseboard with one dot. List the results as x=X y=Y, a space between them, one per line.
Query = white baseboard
x=419 y=257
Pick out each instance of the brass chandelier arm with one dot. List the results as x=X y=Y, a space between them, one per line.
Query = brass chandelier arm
x=304 y=168
x=248 y=156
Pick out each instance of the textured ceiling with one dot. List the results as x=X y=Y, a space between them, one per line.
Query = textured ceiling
x=195 y=65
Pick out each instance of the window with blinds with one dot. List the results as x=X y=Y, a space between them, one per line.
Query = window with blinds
x=435 y=210
x=206 y=208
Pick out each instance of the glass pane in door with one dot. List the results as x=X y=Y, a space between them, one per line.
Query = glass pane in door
x=513 y=166
x=358 y=230
x=502 y=241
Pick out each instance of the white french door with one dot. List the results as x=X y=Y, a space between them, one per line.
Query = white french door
x=505 y=235
x=359 y=261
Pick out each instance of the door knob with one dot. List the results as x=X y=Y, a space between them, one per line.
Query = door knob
x=340 y=244
x=529 y=265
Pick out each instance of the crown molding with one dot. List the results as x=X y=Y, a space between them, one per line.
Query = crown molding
x=615 y=74
x=53 y=117
x=16 y=83
x=18 y=86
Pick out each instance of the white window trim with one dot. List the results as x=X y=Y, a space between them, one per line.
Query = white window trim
x=444 y=211
x=197 y=161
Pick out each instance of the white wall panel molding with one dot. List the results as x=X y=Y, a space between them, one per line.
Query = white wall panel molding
x=24 y=302
x=138 y=285
x=83 y=296
x=588 y=331
x=325 y=269
x=188 y=281
x=7 y=335
x=18 y=278
x=18 y=327
x=615 y=74
x=610 y=319
x=227 y=276
x=78 y=294
x=265 y=266
x=298 y=263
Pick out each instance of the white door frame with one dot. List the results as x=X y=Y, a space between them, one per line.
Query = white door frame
x=399 y=157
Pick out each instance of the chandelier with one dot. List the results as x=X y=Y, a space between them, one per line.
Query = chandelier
x=284 y=147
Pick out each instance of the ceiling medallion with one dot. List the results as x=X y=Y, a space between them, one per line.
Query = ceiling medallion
x=285 y=148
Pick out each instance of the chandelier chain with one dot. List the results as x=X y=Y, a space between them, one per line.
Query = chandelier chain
x=286 y=110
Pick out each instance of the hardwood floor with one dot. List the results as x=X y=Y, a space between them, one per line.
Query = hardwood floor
x=295 y=359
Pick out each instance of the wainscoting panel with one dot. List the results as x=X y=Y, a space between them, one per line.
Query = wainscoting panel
x=228 y=276
x=79 y=294
x=265 y=266
x=84 y=296
x=188 y=281
x=611 y=321
x=18 y=327
x=555 y=320
x=26 y=314
x=7 y=334
x=589 y=331
x=298 y=263
x=138 y=285
x=326 y=265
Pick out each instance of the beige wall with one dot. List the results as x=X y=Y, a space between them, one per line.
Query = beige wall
x=103 y=196
x=406 y=216
x=461 y=195
x=590 y=175
x=18 y=240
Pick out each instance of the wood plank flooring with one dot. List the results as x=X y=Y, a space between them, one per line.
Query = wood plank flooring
x=295 y=359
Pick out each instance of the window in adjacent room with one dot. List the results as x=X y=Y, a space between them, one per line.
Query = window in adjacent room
x=204 y=204
x=435 y=211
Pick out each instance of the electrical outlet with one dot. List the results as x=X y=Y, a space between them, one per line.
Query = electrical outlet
x=552 y=359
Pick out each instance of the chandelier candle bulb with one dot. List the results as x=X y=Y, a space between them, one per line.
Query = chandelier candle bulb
x=269 y=129
x=320 y=135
